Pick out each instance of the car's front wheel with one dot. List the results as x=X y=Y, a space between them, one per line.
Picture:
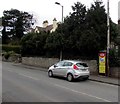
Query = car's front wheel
x=50 y=73
x=70 y=77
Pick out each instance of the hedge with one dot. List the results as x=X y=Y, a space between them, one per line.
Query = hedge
x=8 y=48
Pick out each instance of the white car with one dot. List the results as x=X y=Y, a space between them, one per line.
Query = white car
x=70 y=69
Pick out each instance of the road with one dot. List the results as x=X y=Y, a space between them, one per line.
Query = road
x=0 y=80
x=21 y=84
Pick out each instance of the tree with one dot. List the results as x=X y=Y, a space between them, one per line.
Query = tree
x=83 y=34
x=114 y=32
x=85 y=31
x=66 y=36
x=95 y=37
x=96 y=26
x=73 y=26
x=54 y=43
x=15 y=23
x=33 y=44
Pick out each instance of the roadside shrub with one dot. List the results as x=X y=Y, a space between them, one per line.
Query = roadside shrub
x=12 y=48
x=114 y=61
x=32 y=44
x=8 y=54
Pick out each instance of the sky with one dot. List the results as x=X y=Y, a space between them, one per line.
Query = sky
x=47 y=9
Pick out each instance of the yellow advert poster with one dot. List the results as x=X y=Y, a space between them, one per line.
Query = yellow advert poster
x=102 y=62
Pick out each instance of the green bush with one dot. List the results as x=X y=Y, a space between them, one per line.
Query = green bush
x=114 y=61
x=33 y=44
x=8 y=54
x=13 y=48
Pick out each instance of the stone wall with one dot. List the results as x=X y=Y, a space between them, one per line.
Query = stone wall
x=47 y=62
x=38 y=61
x=12 y=58
x=115 y=72
x=92 y=66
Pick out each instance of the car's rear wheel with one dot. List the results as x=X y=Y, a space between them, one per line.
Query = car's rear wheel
x=50 y=73
x=70 y=77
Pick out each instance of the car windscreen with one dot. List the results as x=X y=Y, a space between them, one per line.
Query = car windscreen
x=81 y=64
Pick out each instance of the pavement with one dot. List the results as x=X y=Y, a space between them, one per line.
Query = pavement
x=97 y=78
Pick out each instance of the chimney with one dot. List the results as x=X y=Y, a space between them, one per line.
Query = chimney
x=55 y=23
x=45 y=24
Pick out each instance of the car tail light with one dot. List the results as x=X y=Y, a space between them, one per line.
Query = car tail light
x=75 y=67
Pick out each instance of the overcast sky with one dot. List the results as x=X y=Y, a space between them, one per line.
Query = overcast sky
x=47 y=9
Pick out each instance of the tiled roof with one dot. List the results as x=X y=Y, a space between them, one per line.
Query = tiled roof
x=39 y=28
x=48 y=28
x=31 y=30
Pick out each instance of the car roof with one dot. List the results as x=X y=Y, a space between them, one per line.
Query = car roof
x=73 y=61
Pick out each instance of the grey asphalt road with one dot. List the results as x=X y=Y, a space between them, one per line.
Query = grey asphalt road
x=27 y=85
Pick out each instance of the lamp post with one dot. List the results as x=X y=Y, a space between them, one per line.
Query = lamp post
x=62 y=22
x=62 y=9
x=108 y=37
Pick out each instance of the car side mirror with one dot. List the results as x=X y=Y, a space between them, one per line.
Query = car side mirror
x=55 y=66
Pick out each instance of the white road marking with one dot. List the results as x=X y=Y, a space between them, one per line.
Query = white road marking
x=28 y=76
x=82 y=93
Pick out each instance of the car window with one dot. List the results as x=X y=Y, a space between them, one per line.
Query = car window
x=82 y=65
x=60 y=63
x=68 y=64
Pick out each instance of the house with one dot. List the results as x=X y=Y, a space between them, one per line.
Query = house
x=46 y=27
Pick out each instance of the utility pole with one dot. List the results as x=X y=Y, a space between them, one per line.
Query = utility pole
x=108 y=39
